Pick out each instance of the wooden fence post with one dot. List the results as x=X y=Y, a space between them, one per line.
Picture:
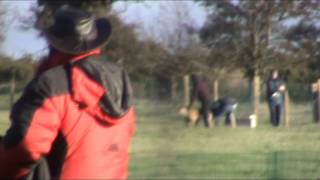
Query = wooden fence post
x=215 y=88
x=174 y=88
x=256 y=96
x=318 y=85
x=286 y=109
x=186 y=83
x=317 y=103
x=12 y=87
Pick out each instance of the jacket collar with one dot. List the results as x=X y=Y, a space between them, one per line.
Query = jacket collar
x=57 y=58
x=84 y=55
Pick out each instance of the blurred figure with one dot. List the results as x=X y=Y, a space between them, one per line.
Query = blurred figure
x=275 y=88
x=224 y=107
x=201 y=92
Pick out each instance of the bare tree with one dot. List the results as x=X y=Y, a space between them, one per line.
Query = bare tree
x=248 y=32
x=174 y=29
x=304 y=44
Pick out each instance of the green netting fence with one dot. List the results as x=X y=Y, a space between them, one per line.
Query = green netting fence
x=274 y=165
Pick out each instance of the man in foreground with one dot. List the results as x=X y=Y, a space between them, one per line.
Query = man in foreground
x=75 y=115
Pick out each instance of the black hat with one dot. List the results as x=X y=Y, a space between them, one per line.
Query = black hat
x=75 y=31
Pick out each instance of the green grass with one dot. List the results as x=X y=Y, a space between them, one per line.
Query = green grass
x=163 y=147
x=4 y=102
x=4 y=120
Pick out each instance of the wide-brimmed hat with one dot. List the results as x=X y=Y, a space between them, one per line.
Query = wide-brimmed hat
x=75 y=31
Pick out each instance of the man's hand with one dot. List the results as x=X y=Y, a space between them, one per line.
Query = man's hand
x=282 y=88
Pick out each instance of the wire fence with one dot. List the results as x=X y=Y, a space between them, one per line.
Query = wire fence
x=9 y=95
x=274 y=165
x=238 y=88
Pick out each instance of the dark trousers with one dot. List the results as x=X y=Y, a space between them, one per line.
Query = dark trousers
x=205 y=110
x=275 y=113
x=228 y=118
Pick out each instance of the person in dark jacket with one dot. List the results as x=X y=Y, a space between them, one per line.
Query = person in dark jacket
x=201 y=92
x=275 y=87
x=75 y=117
x=224 y=107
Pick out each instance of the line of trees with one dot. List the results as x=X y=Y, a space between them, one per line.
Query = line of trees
x=12 y=70
x=253 y=36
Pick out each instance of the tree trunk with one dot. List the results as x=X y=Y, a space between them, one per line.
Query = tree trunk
x=153 y=89
x=317 y=102
x=12 y=88
x=186 y=82
x=256 y=96
x=250 y=89
x=174 y=88
x=286 y=109
x=215 y=87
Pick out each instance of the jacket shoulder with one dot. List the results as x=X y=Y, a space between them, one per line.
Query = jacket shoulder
x=100 y=62
x=51 y=82
x=114 y=80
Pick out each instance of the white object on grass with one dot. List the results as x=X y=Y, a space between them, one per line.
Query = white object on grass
x=253 y=121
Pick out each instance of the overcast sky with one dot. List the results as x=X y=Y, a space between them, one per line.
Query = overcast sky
x=20 y=42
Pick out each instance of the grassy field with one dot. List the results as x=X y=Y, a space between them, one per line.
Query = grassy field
x=163 y=147
x=4 y=113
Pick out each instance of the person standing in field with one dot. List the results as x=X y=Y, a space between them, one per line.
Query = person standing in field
x=201 y=92
x=275 y=88
x=76 y=114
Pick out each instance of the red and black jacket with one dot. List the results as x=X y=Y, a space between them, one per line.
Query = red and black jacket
x=78 y=116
